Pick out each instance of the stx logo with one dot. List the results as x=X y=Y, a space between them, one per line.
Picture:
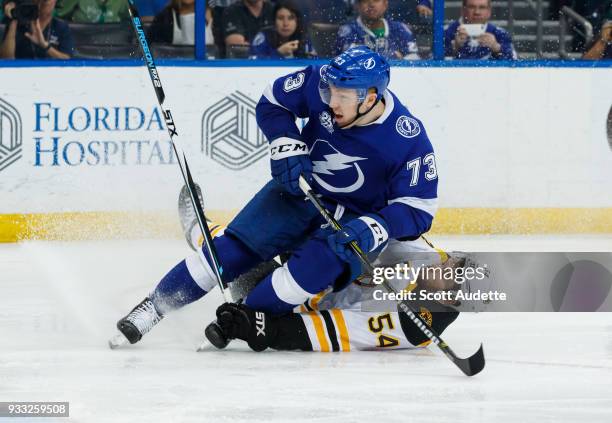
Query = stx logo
x=170 y=123
x=230 y=135
x=10 y=135
x=260 y=323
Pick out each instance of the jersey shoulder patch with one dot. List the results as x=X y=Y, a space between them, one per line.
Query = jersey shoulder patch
x=407 y=127
x=293 y=82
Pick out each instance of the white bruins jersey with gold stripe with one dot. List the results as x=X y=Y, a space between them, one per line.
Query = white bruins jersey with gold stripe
x=348 y=330
x=335 y=320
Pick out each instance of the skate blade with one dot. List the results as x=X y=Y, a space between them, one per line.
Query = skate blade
x=117 y=341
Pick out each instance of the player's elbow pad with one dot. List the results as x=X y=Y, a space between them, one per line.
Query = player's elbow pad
x=274 y=120
x=405 y=221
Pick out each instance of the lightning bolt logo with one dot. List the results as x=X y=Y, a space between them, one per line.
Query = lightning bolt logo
x=336 y=162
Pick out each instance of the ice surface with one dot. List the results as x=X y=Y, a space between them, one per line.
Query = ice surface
x=59 y=303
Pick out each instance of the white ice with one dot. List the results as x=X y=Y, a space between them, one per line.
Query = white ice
x=59 y=303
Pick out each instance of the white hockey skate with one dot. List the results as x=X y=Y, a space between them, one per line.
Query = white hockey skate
x=136 y=324
x=187 y=216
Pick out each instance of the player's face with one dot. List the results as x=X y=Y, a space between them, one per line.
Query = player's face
x=286 y=22
x=343 y=102
x=476 y=11
x=372 y=10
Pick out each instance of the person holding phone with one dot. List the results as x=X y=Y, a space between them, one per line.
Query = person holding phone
x=473 y=37
x=33 y=33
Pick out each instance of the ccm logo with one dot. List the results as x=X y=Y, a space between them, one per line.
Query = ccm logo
x=288 y=148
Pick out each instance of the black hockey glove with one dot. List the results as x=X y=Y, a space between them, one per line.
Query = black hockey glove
x=240 y=322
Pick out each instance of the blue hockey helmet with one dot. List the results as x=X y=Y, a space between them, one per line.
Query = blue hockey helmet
x=359 y=68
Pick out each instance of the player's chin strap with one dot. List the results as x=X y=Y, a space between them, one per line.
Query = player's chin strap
x=359 y=114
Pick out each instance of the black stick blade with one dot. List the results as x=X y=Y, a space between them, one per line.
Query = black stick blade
x=472 y=365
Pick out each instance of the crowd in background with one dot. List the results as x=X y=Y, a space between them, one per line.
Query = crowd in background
x=285 y=29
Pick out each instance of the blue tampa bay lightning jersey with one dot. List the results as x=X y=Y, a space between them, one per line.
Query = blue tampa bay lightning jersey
x=387 y=167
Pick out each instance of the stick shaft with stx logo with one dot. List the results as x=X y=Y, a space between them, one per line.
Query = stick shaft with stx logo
x=471 y=365
x=180 y=154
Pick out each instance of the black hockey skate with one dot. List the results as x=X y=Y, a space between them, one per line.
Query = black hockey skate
x=137 y=323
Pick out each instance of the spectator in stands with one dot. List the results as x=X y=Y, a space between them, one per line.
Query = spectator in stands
x=175 y=24
x=93 y=11
x=602 y=48
x=286 y=39
x=208 y=33
x=424 y=8
x=391 y=39
x=243 y=20
x=44 y=38
x=473 y=37
x=218 y=9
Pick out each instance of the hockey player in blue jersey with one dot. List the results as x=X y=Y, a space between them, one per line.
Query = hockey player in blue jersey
x=362 y=150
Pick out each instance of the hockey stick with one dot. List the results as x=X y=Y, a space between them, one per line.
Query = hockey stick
x=182 y=159
x=471 y=365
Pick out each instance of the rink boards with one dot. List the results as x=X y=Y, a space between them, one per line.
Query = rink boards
x=84 y=152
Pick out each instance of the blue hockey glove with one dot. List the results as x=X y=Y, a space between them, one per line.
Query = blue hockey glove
x=289 y=157
x=369 y=231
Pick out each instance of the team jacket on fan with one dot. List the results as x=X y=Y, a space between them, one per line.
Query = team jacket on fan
x=397 y=39
x=387 y=167
x=473 y=50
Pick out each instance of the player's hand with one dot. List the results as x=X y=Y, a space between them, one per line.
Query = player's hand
x=288 y=48
x=241 y=322
x=488 y=40
x=289 y=158
x=461 y=38
x=424 y=11
x=606 y=32
x=369 y=232
x=36 y=35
